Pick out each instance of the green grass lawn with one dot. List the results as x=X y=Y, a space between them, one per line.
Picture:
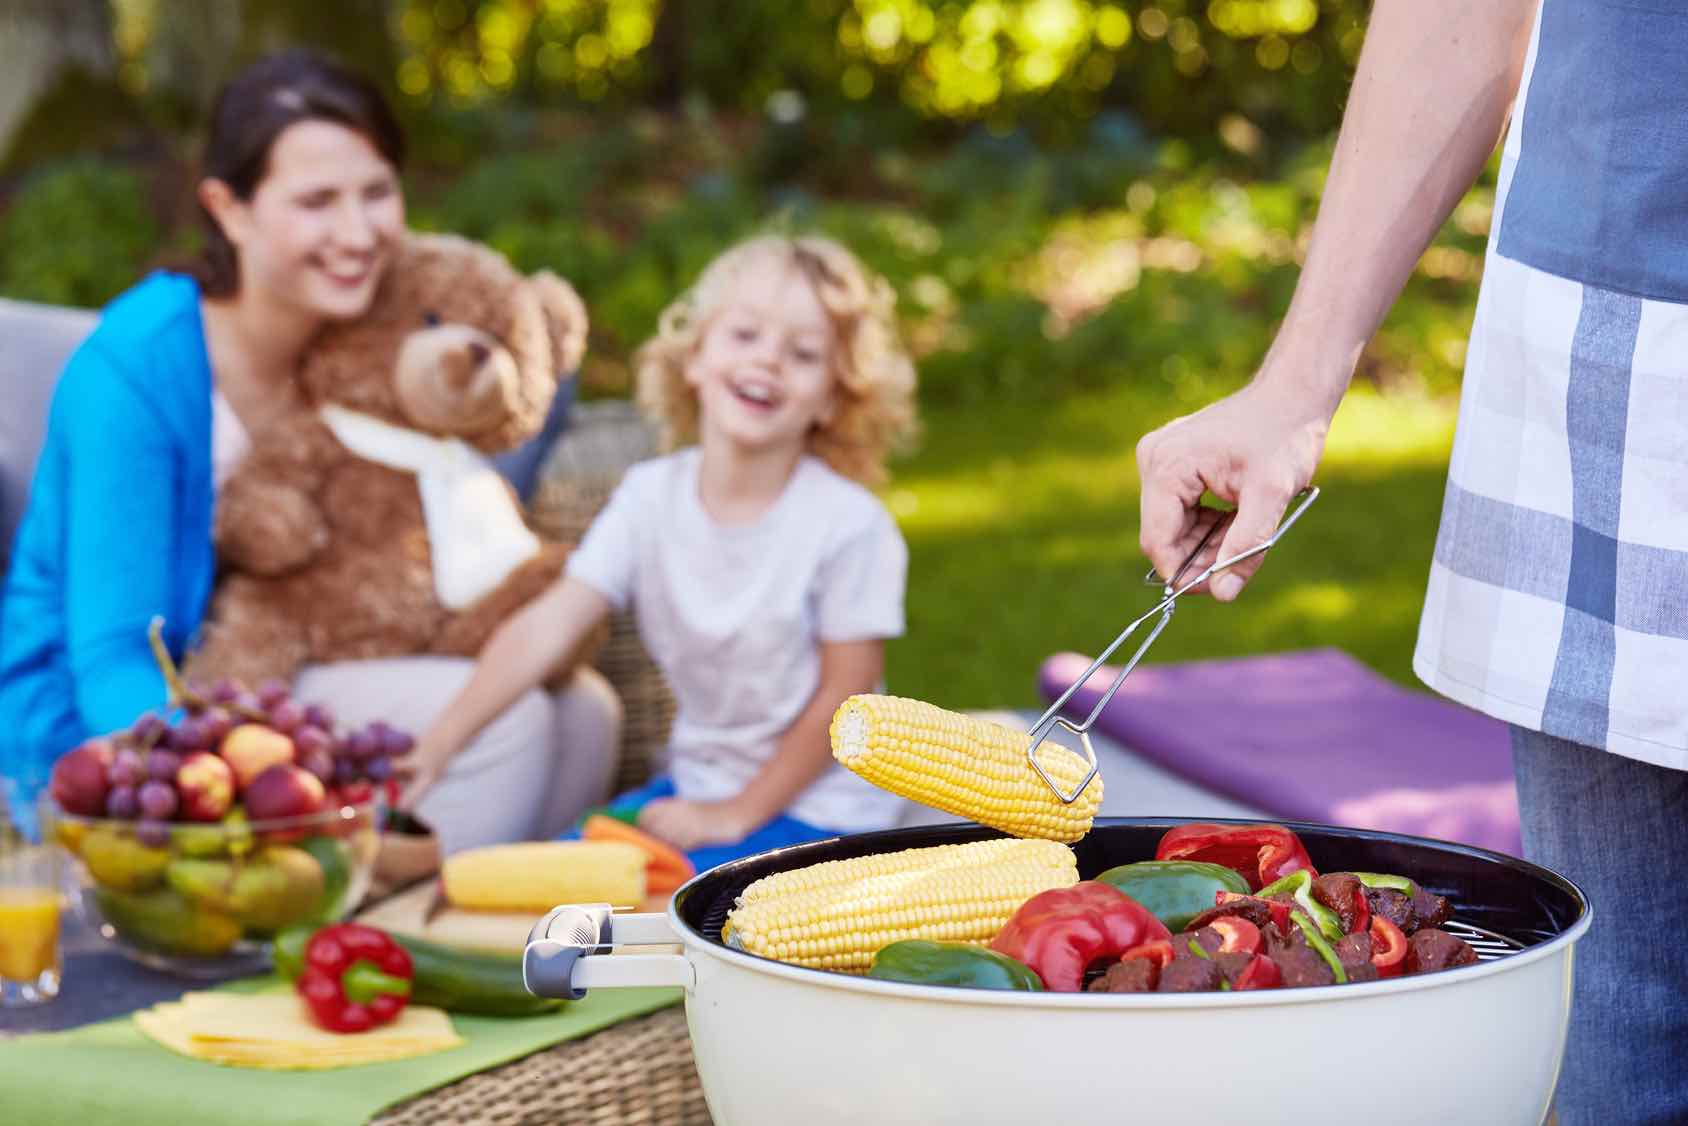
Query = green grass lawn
x=1022 y=528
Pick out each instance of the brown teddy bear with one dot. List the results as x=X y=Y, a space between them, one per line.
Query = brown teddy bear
x=365 y=521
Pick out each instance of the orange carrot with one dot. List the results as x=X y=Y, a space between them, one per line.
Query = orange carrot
x=665 y=869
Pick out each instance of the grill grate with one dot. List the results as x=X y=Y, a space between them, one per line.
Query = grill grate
x=716 y=917
x=1488 y=944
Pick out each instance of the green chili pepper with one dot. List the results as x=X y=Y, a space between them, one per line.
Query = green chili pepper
x=952 y=963
x=1384 y=880
x=1300 y=885
x=1320 y=946
x=1175 y=891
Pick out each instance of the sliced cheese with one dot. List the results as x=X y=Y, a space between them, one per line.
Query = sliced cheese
x=273 y=1030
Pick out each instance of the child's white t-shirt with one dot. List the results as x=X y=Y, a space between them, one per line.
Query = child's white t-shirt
x=733 y=615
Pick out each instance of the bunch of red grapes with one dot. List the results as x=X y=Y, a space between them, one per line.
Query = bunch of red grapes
x=150 y=771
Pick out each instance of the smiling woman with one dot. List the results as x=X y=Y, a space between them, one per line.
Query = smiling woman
x=303 y=212
x=302 y=208
x=300 y=200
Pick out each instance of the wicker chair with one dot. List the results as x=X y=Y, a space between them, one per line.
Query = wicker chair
x=603 y=439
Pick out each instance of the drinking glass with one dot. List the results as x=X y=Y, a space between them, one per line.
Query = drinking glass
x=29 y=921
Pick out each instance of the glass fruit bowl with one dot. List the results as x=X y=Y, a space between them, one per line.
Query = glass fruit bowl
x=202 y=899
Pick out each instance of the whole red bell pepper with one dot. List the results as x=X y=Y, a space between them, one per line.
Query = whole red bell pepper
x=1062 y=932
x=1262 y=853
x=355 y=978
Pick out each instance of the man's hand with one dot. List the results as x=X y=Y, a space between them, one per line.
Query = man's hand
x=694 y=824
x=1255 y=449
x=1435 y=81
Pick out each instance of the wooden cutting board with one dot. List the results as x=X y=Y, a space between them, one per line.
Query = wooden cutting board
x=421 y=912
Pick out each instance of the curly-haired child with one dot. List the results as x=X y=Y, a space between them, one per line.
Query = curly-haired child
x=766 y=576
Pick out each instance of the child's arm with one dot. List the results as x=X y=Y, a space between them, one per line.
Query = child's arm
x=517 y=657
x=803 y=754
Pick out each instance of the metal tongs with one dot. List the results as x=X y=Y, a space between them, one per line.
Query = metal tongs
x=1170 y=590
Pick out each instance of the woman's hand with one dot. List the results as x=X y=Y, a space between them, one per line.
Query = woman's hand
x=1255 y=449
x=694 y=824
x=421 y=769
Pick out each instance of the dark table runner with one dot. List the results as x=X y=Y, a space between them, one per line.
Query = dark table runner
x=99 y=983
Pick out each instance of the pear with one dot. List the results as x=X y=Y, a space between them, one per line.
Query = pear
x=199 y=840
x=117 y=860
x=165 y=921
x=207 y=883
x=277 y=887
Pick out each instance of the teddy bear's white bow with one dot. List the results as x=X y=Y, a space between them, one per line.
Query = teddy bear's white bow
x=475 y=531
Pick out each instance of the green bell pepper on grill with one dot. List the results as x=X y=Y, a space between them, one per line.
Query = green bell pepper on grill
x=1320 y=947
x=952 y=963
x=1175 y=891
x=1384 y=880
x=1300 y=885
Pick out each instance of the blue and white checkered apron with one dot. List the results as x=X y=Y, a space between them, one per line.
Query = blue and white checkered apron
x=1558 y=597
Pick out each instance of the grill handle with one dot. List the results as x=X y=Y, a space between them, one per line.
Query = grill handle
x=562 y=957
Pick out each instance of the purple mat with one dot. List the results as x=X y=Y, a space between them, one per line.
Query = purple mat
x=1314 y=736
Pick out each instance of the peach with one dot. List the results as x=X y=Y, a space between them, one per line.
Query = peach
x=82 y=777
x=206 y=785
x=253 y=748
x=284 y=790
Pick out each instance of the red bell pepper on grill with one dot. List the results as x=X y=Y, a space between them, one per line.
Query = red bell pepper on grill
x=1159 y=952
x=1237 y=935
x=1260 y=973
x=1262 y=853
x=1389 y=947
x=355 y=978
x=1060 y=933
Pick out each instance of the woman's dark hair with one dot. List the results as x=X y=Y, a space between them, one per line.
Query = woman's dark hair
x=254 y=108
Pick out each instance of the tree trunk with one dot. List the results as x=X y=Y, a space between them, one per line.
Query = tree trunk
x=39 y=40
x=190 y=52
x=206 y=42
x=358 y=33
x=668 y=54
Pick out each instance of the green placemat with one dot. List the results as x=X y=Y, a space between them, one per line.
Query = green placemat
x=109 y=1072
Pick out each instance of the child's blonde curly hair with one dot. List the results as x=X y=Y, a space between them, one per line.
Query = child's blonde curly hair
x=874 y=412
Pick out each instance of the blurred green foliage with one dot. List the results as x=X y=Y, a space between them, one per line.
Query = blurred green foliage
x=1181 y=64
x=1024 y=268
x=78 y=235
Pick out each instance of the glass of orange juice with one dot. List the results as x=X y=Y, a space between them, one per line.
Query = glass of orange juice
x=29 y=922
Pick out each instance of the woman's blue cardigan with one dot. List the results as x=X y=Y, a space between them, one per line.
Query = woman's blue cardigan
x=118 y=529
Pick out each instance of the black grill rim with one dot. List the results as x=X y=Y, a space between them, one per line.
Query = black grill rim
x=1523 y=903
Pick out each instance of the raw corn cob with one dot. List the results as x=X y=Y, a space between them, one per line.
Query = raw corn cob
x=535 y=876
x=970 y=767
x=836 y=915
